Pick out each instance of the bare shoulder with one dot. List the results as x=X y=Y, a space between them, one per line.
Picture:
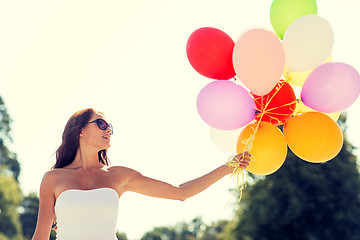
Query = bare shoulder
x=123 y=174
x=122 y=169
x=47 y=185
x=51 y=179
x=53 y=174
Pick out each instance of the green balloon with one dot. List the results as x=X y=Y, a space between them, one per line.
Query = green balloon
x=284 y=12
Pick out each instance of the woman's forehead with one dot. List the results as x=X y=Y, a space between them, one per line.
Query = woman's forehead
x=97 y=115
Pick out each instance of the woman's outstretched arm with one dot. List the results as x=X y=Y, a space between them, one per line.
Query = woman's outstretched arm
x=136 y=182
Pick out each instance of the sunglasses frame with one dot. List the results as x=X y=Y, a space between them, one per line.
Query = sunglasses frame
x=107 y=125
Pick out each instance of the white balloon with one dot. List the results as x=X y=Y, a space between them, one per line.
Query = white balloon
x=307 y=42
x=225 y=140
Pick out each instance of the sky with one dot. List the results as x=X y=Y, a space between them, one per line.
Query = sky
x=128 y=60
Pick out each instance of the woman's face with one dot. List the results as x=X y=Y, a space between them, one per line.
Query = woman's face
x=93 y=136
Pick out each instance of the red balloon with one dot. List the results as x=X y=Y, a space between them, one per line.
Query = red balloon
x=209 y=51
x=277 y=106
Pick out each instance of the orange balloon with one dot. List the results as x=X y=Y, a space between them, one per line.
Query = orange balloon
x=313 y=137
x=269 y=148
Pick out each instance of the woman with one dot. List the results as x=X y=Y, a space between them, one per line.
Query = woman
x=82 y=191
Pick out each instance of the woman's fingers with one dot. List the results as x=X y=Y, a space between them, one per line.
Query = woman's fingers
x=243 y=159
x=247 y=155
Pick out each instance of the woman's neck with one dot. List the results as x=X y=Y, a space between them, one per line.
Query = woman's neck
x=86 y=159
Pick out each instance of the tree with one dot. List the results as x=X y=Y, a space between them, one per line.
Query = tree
x=303 y=201
x=10 y=193
x=214 y=231
x=7 y=158
x=160 y=233
x=195 y=230
x=28 y=217
x=121 y=236
x=10 y=199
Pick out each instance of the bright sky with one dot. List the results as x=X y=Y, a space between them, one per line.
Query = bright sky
x=127 y=59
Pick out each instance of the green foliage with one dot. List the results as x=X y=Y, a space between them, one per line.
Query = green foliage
x=5 y=121
x=10 y=193
x=195 y=230
x=160 y=233
x=10 y=199
x=7 y=158
x=3 y=237
x=9 y=161
x=121 y=236
x=215 y=230
x=303 y=201
x=28 y=217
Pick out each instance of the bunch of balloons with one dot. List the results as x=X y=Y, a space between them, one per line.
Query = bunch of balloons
x=252 y=91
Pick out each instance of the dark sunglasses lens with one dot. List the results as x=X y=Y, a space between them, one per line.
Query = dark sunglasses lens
x=104 y=125
x=101 y=124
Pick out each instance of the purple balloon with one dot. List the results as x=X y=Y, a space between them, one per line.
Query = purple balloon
x=331 y=87
x=225 y=105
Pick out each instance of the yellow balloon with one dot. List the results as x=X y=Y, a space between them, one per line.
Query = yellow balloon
x=298 y=78
x=313 y=137
x=269 y=148
x=302 y=108
x=334 y=116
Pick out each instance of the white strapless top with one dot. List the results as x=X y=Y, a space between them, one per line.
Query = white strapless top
x=87 y=214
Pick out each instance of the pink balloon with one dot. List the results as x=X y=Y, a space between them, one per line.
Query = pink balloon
x=259 y=60
x=225 y=105
x=331 y=87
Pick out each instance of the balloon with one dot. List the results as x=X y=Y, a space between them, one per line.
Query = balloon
x=313 y=137
x=277 y=106
x=225 y=140
x=284 y=12
x=209 y=51
x=302 y=108
x=269 y=148
x=308 y=42
x=332 y=87
x=225 y=105
x=259 y=60
x=298 y=78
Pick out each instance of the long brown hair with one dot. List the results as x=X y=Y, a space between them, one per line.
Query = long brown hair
x=71 y=137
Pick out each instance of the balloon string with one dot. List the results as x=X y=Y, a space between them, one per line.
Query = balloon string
x=235 y=176
x=235 y=164
x=267 y=111
x=287 y=76
x=287 y=104
x=270 y=114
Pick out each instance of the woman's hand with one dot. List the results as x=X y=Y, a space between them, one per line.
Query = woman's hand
x=239 y=161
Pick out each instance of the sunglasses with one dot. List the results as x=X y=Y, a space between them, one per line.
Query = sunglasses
x=103 y=125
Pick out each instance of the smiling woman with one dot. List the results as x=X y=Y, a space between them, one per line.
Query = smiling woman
x=70 y=138
x=130 y=62
x=81 y=191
